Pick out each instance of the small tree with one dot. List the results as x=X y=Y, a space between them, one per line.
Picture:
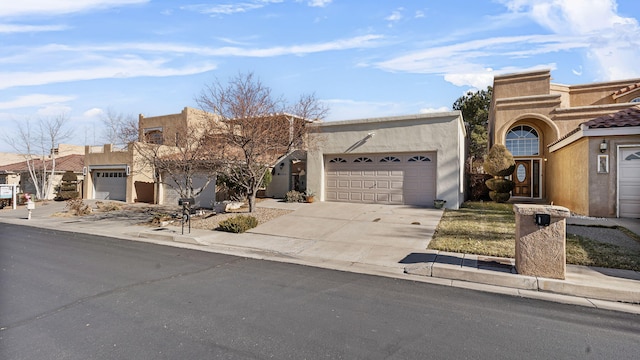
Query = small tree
x=37 y=147
x=252 y=129
x=499 y=163
x=475 y=112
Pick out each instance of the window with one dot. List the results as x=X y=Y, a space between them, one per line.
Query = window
x=389 y=159
x=523 y=140
x=635 y=100
x=635 y=156
x=362 y=159
x=154 y=136
x=337 y=160
x=419 y=158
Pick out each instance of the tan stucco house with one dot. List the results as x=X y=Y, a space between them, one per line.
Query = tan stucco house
x=576 y=146
x=411 y=160
x=123 y=173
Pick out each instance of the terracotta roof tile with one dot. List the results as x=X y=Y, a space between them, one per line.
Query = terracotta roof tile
x=626 y=89
x=626 y=117
x=73 y=162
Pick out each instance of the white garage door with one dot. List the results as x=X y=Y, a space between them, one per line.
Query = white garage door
x=381 y=178
x=629 y=182
x=110 y=184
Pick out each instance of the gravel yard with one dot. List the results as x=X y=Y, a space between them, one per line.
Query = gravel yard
x=210 y=222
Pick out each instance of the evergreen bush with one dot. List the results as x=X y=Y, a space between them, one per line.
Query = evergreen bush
x=238 y=224
x=499 y=163
x=294 y=196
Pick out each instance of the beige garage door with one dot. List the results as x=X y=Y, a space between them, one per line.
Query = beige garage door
x=629 y=182
x=381 y=178
x=110 y=184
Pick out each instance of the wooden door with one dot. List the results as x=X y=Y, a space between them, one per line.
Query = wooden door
x=522 y=178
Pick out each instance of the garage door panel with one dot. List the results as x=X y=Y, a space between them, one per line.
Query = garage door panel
x=629 y=182
x=396 y=184
x=390 y=182
x=110 y=185
x=383 y=184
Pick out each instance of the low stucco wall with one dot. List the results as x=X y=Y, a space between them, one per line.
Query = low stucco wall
x=570 y=162
x=440 y=132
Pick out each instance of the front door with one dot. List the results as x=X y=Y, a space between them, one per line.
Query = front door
x=522 y=178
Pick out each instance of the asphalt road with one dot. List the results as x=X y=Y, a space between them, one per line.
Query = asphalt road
x=76 y=296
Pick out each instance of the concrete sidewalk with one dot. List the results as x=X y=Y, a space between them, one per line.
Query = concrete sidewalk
x=372 y=239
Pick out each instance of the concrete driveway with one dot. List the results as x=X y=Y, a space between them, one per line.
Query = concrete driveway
x=356 y=233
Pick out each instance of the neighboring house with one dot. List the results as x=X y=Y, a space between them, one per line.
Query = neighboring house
x=576 y=146
x=18 y=173
x=410 y=160
x=289 y=173
x=124 y=173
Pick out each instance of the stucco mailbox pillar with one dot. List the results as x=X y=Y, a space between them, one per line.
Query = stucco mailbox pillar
x=541 y=240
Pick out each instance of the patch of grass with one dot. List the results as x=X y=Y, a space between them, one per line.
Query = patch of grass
x=483 y=228
x=588 y=252
x=487 y=228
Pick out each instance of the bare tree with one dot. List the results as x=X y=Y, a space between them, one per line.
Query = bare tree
x=254 y=129
x=119 y=128
x=180 y=157
x=38 y=149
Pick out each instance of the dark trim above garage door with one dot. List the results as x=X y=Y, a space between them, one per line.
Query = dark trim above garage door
x=385 y=178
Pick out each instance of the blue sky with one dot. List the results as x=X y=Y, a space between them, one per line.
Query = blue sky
x=361 y=58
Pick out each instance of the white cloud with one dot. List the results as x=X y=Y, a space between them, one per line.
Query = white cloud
x=54 y=110
x=613 y=40
x=57 y=7
x=232 y=8
x=435 y=110
x=419 y=14
x=13 y=28
x=34 y=100
x=347 y=109
x=319 y=3
x=76 y=63
x=468 y=56
x=395 y=16
x=118 y=69
x=93 y=113
x=477 y=80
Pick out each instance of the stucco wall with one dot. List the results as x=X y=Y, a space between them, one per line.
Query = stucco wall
x=108 y=157
x=440 y=132
x=281 y=175
x=567 y=177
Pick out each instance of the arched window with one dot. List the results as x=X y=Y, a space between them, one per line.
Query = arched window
x=523 y=140
x=635 y=100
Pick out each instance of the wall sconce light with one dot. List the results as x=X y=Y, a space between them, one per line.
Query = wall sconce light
x=603 y=146
x=281 y=166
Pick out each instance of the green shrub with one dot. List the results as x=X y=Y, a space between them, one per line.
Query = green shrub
x=294 y=196
x=500 y=185
x=238 y=224
x=499 y=161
